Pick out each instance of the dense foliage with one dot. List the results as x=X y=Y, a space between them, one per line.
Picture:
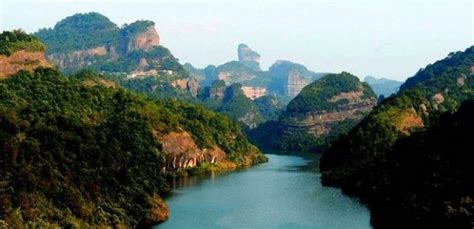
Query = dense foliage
x=82 y=32
x=270 y=107
x=362 y=162
x=443 y=73
x=316 y=96
x=233 y=103
x=78 y=32
x=281 y=135
x=79 y=156
x=11 y=42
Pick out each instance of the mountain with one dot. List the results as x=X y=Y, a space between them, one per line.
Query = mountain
x=19 y=51
x=322 y=111
x=382 y=86
x=231 y=101
x=284 y=79
x=248 y=57
x=91 y=40
x=266 y=92
x=399 y=159
x=289 y=78
x=80 y=151
x=130 y=55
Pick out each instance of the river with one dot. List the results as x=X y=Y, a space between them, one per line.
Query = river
x=284 y=193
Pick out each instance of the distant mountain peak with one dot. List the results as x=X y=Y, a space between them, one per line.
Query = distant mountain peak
x=248 y=56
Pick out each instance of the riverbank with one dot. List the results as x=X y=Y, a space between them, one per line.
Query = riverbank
x=285 y=192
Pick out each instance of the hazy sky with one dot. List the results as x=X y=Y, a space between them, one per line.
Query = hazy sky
x=390 y=39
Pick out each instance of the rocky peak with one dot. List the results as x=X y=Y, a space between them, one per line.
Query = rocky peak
x=248 y=56
x=140 y=35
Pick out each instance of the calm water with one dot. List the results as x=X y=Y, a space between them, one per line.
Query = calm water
x=283 y=193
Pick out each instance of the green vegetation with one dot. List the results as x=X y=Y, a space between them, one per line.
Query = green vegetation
x=205 y=76
x=234 y=103
x=316 y=96
x=270 y=107
x=11 y=42
x=85 y=156
x=442 y=73
x=79 y=32
x=136 y=28
x=412 y=137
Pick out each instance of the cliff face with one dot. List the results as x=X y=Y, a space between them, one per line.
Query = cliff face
x=288 y=78
x=248 y=57
x=319 y=123
x=182 y=152
x=295 y=83
x=77 y=59
x=235 y=72
x=283 y=79
x=254 y=92
x=93 y=41
x=190 y=84
x=145 y=41
x=322 y=111
x=21 y=60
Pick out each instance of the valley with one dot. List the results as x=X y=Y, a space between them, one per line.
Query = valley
x=102 y=126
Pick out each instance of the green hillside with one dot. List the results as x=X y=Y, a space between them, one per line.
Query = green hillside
x=82 y=156
x=360 y=162
x=316 y=96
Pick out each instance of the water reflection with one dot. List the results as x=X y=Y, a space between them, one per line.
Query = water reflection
x=283 y=193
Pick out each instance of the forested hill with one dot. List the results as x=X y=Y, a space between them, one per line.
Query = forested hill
x=375 y=161
x=323 y=110
x=81 y=152
x=92 y=41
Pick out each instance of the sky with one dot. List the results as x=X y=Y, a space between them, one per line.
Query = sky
x=383 y=38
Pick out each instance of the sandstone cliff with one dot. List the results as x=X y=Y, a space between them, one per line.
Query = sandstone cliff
x=321 y=112
x=182 y=152
x=93 y=41
x=79 y=58
x=248 y=57
x=320 y=123
x=144 y=40
x=21 y=60
x=288 y=78
x=254 y=92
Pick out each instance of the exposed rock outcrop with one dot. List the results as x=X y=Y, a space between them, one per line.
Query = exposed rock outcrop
x=295 y=83
x=235 y=72
x=189 y=84
x=182 y=152
x=318 y=109
x=77 y=59
x=95 y=42
x=127 y=42
x=319 y=123
x=248 y=57
x=254 y=92
x=289 y=78
x=407 y=120
x=21 y=60
x=146 y=40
